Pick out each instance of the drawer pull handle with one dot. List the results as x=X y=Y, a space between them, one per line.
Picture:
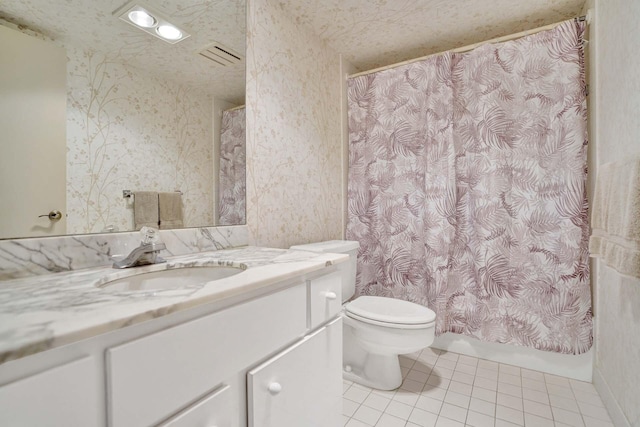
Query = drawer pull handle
x=275 y=388
x=331 y=295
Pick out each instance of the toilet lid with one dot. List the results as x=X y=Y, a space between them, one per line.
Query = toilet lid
x=390 y=310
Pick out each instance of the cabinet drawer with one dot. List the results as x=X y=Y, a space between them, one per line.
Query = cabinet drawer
x=215 y=409
x=153 y=377
x=301 y=386
x=63 y=396
x=325 y=294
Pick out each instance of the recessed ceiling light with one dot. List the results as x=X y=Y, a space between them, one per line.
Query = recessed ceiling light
x=169 y=32
x=141 y=18
x=150 y=22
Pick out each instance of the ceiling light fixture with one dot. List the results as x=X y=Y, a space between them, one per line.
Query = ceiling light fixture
x=150 y=22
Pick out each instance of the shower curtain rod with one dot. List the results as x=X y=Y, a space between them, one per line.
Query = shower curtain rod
x=473 y=46
x=239 y=107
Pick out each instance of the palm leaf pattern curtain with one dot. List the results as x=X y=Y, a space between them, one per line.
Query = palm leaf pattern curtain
x=467 y=189
x=232 y=174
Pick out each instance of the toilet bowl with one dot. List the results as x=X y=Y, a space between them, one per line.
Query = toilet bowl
x=376 y=329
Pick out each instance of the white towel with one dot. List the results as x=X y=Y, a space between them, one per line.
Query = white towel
x=615 y=217
x=145 y=209
x=170 y=210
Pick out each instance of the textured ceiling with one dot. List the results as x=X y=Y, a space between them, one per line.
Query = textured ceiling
x=90 y=23
x=374 y=33
x=370 y=33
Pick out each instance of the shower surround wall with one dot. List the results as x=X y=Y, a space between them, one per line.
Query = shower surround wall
x=294 y=169
x=127 y=130
x=617 y=298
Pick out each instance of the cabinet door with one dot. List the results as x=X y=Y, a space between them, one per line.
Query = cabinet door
x=63 y=396
x=301 y=386
x=215 y=410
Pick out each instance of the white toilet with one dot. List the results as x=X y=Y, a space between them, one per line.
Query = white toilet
x=376 y=329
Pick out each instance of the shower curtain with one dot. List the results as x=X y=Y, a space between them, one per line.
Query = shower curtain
x=232 y=175
x=467 y=190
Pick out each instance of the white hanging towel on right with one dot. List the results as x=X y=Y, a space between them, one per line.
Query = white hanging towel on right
x=615 y=217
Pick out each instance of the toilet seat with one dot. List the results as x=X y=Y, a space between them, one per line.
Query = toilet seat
x=390 y=312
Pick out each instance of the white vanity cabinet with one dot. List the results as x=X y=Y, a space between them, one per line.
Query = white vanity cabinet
x=298 y=386
x=62 y=396
x=202 y=367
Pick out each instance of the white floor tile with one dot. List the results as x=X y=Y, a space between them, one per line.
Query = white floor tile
x=376 y=401
x=387 y=420
x=406 y=397
x=567 y=417
x=488 y=364
x=536 y=396
x=446 y=422
x=453 y=412
x=462 y=377
x=356 y=394
x=484 y=394
x=510 y=401
x=349 y=407
x=534 y=384
x=538 y=409
x=423 y=418
x=476 y=419
x=419 y=376
x=592 y=422
x=594 y=411
x=429 y=404
x=531 y=420
x=482 y=406
x=569 y=404
x=443 y=389
x=367 y=415
x=511 y=390
x=355 y=423
x=509 y=369
x=487 y=373
x=510 y=379
x=461 y=388
x=489 y=384
x=510 y=414
x=398 y=409
x=412 y=386
x=467 y=369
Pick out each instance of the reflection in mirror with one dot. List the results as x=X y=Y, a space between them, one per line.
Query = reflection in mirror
x=123 y=110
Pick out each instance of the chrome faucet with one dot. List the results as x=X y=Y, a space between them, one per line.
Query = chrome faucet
x=146 y=253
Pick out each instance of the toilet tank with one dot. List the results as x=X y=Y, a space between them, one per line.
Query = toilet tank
x=348 y=247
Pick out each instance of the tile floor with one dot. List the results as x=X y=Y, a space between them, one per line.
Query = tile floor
x=444 y=389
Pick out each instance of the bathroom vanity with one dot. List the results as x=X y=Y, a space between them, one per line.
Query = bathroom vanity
x=260 y=348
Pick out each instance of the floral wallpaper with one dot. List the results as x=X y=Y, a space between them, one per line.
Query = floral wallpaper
x=233 y=167
x=127 y=130
x=293 y=132
x=467 y=189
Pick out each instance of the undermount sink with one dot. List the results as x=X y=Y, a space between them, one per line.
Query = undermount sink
x=175 y=278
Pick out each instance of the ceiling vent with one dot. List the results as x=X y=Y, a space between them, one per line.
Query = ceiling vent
x=221 y=55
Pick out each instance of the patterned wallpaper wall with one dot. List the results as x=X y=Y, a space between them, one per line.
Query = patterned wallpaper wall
x=617 y=311
x=127 y=130
x=293 y=132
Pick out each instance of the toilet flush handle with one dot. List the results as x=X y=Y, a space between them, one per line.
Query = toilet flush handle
x=330 y=295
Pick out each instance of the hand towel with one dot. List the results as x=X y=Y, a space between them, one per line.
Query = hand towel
x=615 y=217
x=145 y=209
x=170 y=210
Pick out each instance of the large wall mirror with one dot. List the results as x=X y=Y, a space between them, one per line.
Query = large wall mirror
x=94 y=110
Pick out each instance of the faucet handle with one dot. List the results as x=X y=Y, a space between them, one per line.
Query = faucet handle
x=149 y=235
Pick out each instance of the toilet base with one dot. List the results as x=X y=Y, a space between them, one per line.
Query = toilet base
x=381 y=372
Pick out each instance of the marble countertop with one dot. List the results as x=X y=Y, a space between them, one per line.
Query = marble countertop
x=43 y=312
